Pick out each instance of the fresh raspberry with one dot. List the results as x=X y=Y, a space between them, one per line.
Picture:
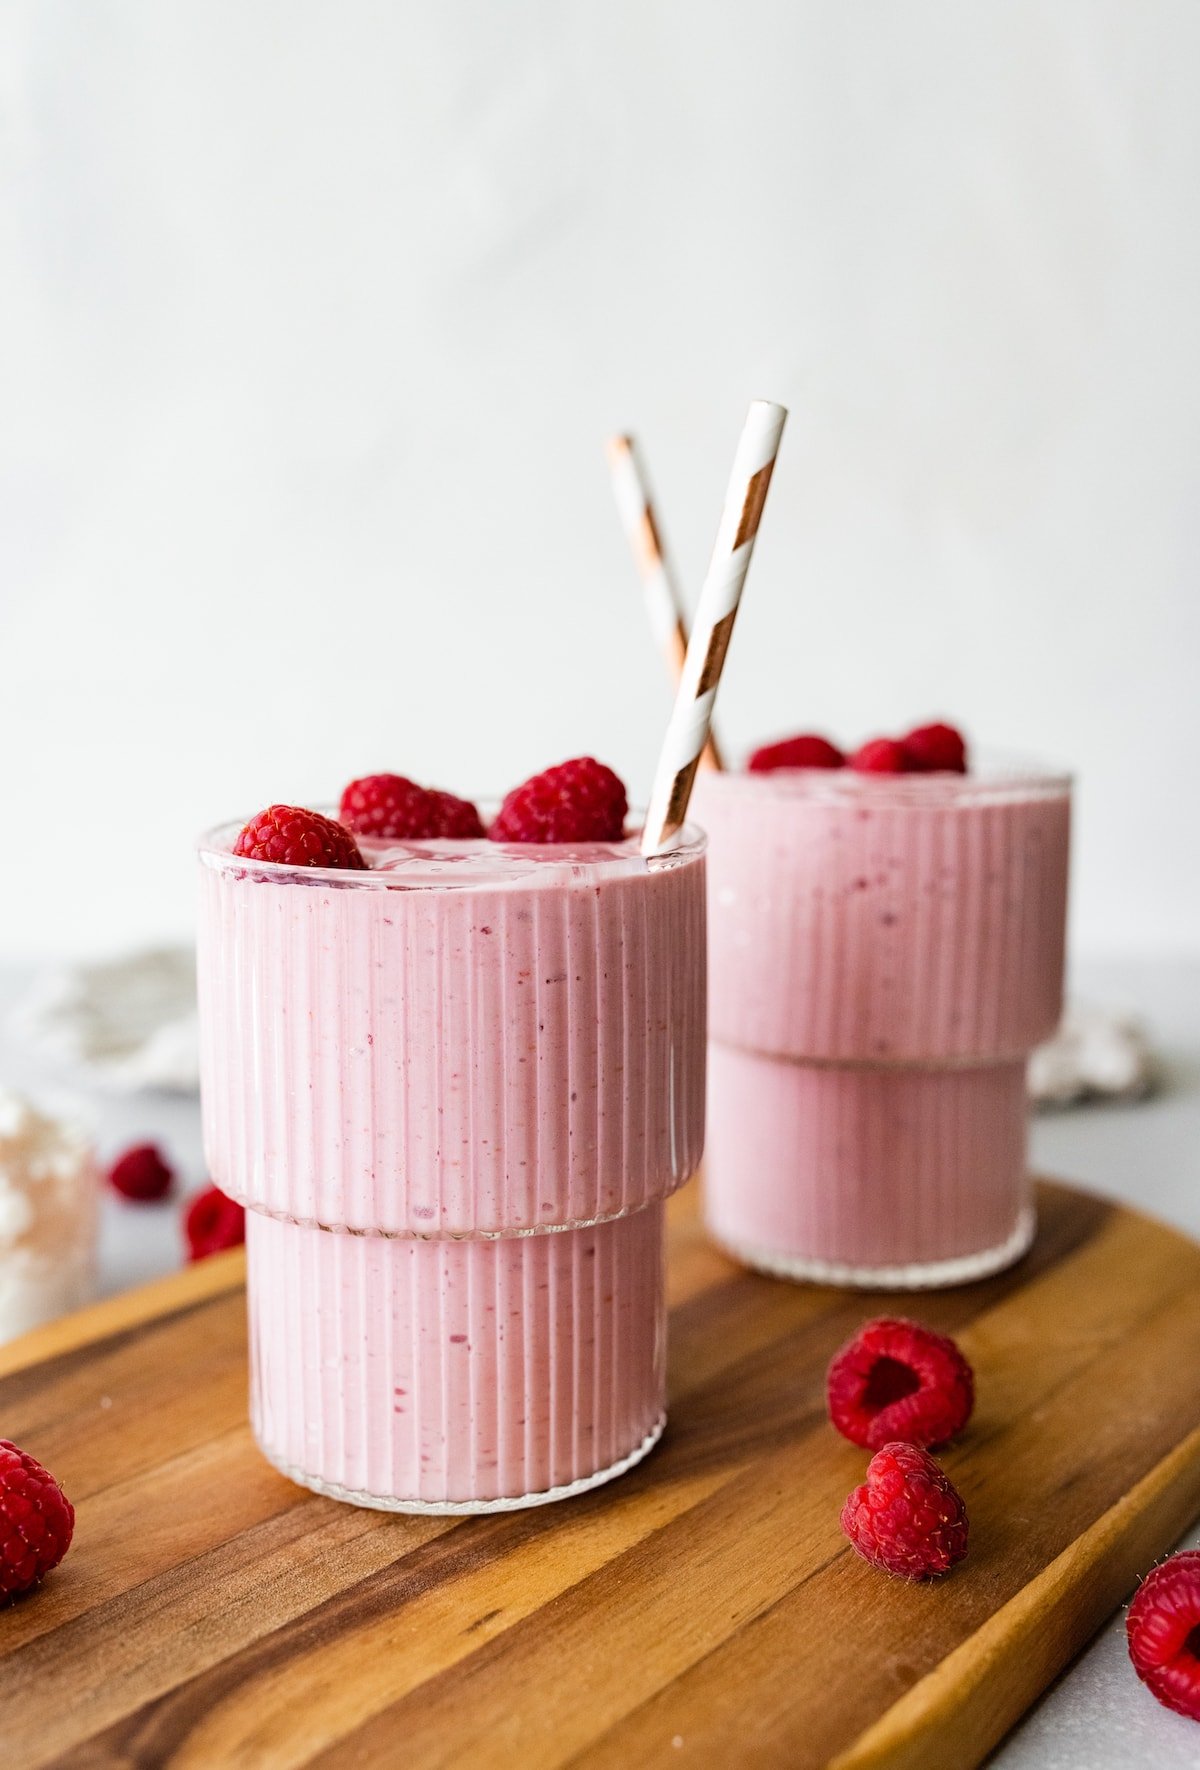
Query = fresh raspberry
x=455 y=818
x=935 y=749
x=1163 y=1630
x=389 y=806
x=896 y=1380
x=141 y=1174
x=213 y=1223
x=907 y=1517
x=579 y=801
x=882 y=756
x=37 y=1521
x=398 y=810
x=806 y=751
x=298 y=838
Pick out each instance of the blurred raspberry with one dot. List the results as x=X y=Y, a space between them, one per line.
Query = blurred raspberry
x=806 y=751
x=213 y=1223
x=936 y=748
x=455 y=818
x=882 y=756
x=141 y=1174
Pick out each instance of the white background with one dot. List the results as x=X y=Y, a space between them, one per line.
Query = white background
x=314 y=317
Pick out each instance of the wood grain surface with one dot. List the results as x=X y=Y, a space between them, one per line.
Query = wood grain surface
x=703 y=1610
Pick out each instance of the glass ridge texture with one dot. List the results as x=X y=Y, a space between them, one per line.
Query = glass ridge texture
x=884 y=952
x=453 y=1092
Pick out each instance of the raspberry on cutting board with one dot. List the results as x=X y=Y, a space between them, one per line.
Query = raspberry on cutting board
x=907 y=1517
x=37 y=1521
x=896 y=1380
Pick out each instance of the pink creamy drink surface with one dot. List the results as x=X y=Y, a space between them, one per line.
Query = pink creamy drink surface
x=884 y=950
x=485 y=1063
x=466 y=1039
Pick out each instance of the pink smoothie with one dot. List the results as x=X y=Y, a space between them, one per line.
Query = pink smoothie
x=487 y=1065
x=444 y=1371
x=884 y=951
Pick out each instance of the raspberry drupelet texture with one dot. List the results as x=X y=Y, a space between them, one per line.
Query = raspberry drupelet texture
x=37 y=1521
x=907 y=1517
x=455 y=819
x=1163 y=1632
x=213 y=1223
x=295 y=837
x=141 y=1174
x=806 y=751
x=896 y=1380
x=882 y=756
x=577 y=801
x=936 y=749
x=393 y=808
x=388 y=806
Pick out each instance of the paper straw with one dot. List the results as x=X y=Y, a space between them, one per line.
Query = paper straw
x=692 y=713
x=664 y=605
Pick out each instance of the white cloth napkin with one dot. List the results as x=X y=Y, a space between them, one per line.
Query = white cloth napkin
x=1096 y=1054
x=124 y=1024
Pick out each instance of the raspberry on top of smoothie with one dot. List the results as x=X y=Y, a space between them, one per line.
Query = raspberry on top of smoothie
x=927 y=749
x=393 y=807
x=577 y=802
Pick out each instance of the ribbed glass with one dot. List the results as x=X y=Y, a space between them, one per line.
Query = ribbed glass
x=455 y=1372
x=453 y=1057
x=865 y=1167
x=884 y=951
x=453 y=1090
x=885 y=918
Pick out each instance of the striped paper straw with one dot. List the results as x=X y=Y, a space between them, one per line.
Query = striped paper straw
x=664 y=605
x=692 y=713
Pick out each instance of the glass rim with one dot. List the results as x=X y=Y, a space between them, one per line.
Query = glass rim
x=440 y=865
x=998 y=777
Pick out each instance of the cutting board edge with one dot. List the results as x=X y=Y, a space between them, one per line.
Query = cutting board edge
x=983 y=1692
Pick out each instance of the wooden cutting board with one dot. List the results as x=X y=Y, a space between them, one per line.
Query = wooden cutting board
x=704 y=1610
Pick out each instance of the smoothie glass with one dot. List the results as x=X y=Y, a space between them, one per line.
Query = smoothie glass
x=453 y=1092
x=884 y=952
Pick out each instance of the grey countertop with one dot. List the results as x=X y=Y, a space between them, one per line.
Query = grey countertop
x=1097 y=1717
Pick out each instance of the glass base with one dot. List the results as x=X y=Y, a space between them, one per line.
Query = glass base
x=935 y=1275
x=469 y=1508
x=891 y=1177
x=455 y=1369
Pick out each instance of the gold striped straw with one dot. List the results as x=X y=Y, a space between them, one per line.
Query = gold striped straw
x=664 y=605
x=691 y=715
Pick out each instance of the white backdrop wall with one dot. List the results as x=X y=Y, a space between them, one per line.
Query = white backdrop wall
x=315 y=317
